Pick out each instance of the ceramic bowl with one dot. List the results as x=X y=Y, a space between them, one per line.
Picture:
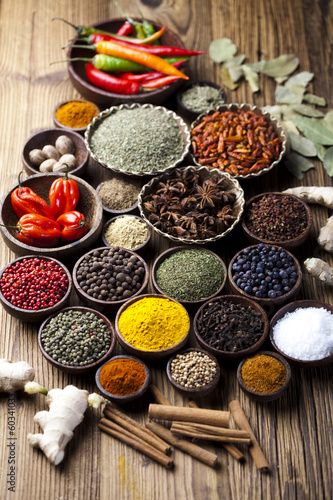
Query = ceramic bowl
x=108 y=164
x=268 y=396
x=103 y=305
x=171 y=251
x=288 y=244
x=89 y=205
x=145 y=354
x=78 y=370
x=268 y=303
x=269 y=118
x=49 y=136
x=78 y=77
x=39 y=315
x=129 y=397
x=80 y=130
x=194 y=392
x=109 y=212
x=138 y=248
x=291 y=307
x=189 y=113
x=204 y=174
x=232 y=355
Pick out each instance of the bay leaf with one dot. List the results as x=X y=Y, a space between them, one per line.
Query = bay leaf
x=303 y=78
x=252 y=78
x=297 y=89
x=328 y=120
x=273 y=110
x=226 y=80
x=280 y=79
x=235 y=72
x=258 y=65
x=302 y=145
x=285 y=96
x=238 y=60
x=281 y=66
x=222 y=49
x=314 y=130
x=328 y=161
x=321 y=150
x=314 y=99
x=304 y=109
x=297 y=164
x=289 y=126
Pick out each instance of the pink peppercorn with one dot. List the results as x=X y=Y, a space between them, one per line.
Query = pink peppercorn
x=34 y=283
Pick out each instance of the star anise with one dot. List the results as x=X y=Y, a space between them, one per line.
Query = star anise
x=206 y=196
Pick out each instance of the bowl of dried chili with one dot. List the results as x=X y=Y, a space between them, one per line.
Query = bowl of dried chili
x=239 y=139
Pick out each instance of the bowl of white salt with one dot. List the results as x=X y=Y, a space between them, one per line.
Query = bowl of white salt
x=302 y=332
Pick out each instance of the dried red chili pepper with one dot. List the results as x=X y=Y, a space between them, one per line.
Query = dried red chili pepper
x=64 y=195
x=26 y=201
x=37 y=230
x=73 y=226
x=125 y=29
x=111 y=83
x=159 y=82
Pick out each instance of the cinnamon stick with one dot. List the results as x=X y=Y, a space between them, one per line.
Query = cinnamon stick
x=242 y=422
x=192 y=449
x=183 y=431
x=183 y=413
x=211 y=429
x=159 y=396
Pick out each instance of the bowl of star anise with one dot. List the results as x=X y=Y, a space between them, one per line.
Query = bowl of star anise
x=192 y=205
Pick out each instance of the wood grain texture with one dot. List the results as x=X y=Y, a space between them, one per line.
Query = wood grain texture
x=294 y=432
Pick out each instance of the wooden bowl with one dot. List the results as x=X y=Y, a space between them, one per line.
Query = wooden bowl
x=109 y=212
x=79 y=130
x=49 y=136
x=139 y=248
x=268 y=396
x=267 y=303
x=40 y=315
x=77 y=73
x=288 y=244
x=292 y=306
x=103 y=305
x=140 y=353
x=189 y=113
x=79 y=370
x=170 y=251
x=88 y=204
x=195 y=392
x=271 y=120
x=228 y=355
x=129 y=397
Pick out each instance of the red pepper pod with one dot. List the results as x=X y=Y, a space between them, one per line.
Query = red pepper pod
x=111 y=83
x=63 y=195
x=38 y=231
x=26 y=201
x=73 y=226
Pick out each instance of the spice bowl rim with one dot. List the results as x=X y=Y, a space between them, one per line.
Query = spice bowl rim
x=103 y=305
x=114 y=109
x=35 y=139
x=266 y=396
x=141 y=353
x=74 y=369
x=111 y=211
x=286 y=244
x=58 y=124
x=33 y=316
x=248 y=107
x=290 y=307
x=136 y=249
x=194 y=391
x=267 y=301
x=236 y=355
x=162 y=256
x=129 y=397
x=188 y=112
x=238 y=204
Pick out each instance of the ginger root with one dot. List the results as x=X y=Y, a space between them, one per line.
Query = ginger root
x=320 y=270
x=313 y=194
x=14 y=376
x=325 y=237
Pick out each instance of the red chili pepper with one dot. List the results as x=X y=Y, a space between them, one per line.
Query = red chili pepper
x=64 y=195
x=159 y=82
x=73 y=225
x=37 y=230
x=111 y=83
x=144 y=77
x=125 y=30
x=26 y=201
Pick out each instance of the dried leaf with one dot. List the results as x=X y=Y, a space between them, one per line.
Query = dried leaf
x=328 y=120
x=235 y=72
x=235 y=61
x=328 y=161
x=281 y=66
x=321 y=150
x=252 y=78
x=285 y=96
x=314 y=99
x=304 y=109
x=257 y=66
x=281 y=79
x=302 y=145
x=273 y=110
x=289 y=126
x=303 y=78
x=297 y=89
x=226 y=80
x=314 y=130
x=297 y=164
x=222 y=49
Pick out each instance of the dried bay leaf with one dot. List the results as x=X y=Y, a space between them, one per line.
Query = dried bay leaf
x=285 y=96
x=289 y=126
x=302 y=145
x=314 y=99
x=328 y=120
x=297 y=164
x=235 y=72
x=304 y=109
x=257 y=66
x=222 y=49
x=297 y=89
x=303 y=78
x=321 y=150
x=281 y=66
x=235 y=61
x=328 y=161
x=273 y=110
x=314 y=130
x=252 y=78
x=226 y=80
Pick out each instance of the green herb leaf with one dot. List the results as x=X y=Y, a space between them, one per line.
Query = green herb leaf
x=289 y=126
x=314 y=130
x=328 y=120
x=314 y=99
x=297 y=164
x=280 y=79
x=304 y=109
x=302 y=145
x=321 y=150
x=328 y=161
x=281 y=66
x=274 y=111
x=303 y=78
x=235 y=61
x=284 y=95
x=226 y=80
x=222 y=49
x=257 y=66
x=235 y=72
x=252 y=78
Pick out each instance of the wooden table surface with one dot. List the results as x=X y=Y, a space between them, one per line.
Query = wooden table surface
x=296 y=431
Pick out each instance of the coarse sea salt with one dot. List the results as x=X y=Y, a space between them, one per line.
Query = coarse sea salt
x=305 y=334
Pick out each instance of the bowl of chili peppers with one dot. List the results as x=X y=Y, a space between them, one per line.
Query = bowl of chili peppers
x=239 y=139
x=34 y=286
x=107 y=73
x=57 y=215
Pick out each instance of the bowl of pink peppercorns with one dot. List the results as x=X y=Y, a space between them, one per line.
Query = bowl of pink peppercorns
x=33 y=287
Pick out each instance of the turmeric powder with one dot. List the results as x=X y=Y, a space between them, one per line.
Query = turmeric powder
x=76 y=114
x=153 y=323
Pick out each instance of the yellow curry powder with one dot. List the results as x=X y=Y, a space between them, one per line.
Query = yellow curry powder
x=153 y=323
x=263 y=373
x=76 y=114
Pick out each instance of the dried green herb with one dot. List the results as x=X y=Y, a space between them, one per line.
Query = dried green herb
x=302 y=145
x=305 y=110
x=328 y=161
x=303 y=78
x=201 y=98
x=281 y=66
x=314 y=130
x=222 y=49
x=297 y=164
x=314 y=99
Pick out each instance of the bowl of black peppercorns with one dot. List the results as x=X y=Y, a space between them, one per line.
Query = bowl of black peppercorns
x=106 y=277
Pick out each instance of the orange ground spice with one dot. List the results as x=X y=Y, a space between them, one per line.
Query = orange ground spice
x=76 y=114
x=263 y=373
x=122 y=376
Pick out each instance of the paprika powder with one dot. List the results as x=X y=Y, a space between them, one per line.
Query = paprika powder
x=122 y=376
x=263 y=373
